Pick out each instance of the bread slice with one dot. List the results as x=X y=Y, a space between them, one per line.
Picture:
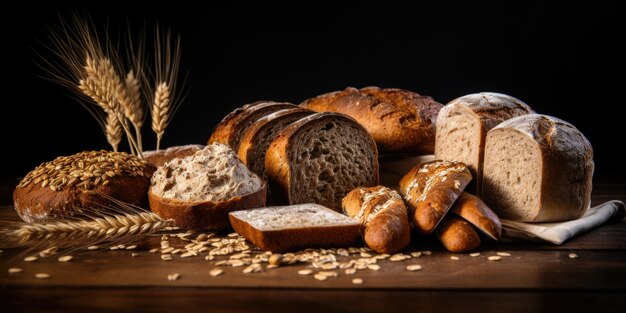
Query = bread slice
x=537 y=168
x=288 y=228
x=158 y=158
x=463 y=124
x=66 y=185
x=198 y=191
x=430 y=189
x=400 y=121
x=234 y=125
x=457 y=235
x=319 y=159
x=475 y=211
x=383 y=217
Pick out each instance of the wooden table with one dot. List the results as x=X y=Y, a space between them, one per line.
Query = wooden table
x=536 y=277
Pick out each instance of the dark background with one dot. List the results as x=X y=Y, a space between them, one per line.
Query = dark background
x=558 y=58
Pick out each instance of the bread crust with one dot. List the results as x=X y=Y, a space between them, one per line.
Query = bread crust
x=400 y=121
x=202 y=215
x=457 y=235
x=475 y=211
x=430 y=189
x=162 y=156
x=228 y=130
x=279 y=168
x=383 y=217
x=36 y=203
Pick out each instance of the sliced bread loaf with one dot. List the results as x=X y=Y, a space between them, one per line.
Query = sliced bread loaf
x=233 y=126
x=319 y=159
x=287 y=228
x=198 y=191
x=400 y=121
x=537 y=168
x=463 y=124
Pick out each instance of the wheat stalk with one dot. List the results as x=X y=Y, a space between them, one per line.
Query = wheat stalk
x=113 y=130
x=134 y=110
x=160 y=111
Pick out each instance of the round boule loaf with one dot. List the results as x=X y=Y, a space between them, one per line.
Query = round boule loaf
x=68 y=184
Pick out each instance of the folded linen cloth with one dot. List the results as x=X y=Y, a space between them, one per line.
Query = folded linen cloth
x=558 y=233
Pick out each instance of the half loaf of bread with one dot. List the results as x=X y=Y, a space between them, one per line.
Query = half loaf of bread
x=537 y=168
x=158 y=158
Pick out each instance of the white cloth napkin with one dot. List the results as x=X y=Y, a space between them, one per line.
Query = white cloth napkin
x=558 y=233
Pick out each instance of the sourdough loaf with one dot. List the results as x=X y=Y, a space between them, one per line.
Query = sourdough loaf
x=234 y=125
x=68 y=184
x=319 y=159
x=430 y=189
x=463 y=124
x=158 y=158
x=383 y=217
x=288 y=228
x=198 y=191
x=400 y=121
x=537 y=168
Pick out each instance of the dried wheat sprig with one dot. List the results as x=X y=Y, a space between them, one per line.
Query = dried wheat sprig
x=134 y=110
x=160 y=111
x=113 y=130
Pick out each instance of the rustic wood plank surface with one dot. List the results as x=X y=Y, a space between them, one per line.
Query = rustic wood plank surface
x=536 y=277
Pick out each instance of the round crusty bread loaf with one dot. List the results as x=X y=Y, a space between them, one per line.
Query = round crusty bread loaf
x=537 y=168
x=400 y=121
x=199 y=191
x=67 y=184
x=158 y=158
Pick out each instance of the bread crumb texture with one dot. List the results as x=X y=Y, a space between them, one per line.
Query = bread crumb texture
x=294 y=216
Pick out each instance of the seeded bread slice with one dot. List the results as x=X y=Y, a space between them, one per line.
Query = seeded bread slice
x=463 y=124
x=288 y=228
x=538 y=168
x=319 y=159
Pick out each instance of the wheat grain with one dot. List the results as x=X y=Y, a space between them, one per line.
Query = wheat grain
x=15 y=270
x=113 y=130
x=42 y=275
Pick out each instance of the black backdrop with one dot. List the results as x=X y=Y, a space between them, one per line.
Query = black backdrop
x=556 y=57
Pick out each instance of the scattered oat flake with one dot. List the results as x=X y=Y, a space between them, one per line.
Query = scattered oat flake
x=416 y=254
x=413 y=267
x=357 y=281
x=131 y=247
x=427 y=252
x=216 y=272
x=573 y=256
x=14 y=270
x=503 y=253
x=320 y=277
x=374 y=267
x=30 y=258
x=155 y=250
x=42 y=275
x=350 y=271
x=271 y=266
x=173 y=277
x=494 y=258
x=305 y=272
x=365 y=255
x=474 y=254
x=92 y=248
x=166 y=257
x=134 y=254
x=328 y=273
x=455 y=258
x=65 y=258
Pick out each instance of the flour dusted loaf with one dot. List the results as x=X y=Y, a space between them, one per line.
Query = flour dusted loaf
x=92 y=179
x=233 y=126
x=430 y=189
x=383 y=217
x=198 y=191
x=463 y=124
x=288 y=228
x=537 y=168
x=319 y=159
x=158 y=158
x=400 y=121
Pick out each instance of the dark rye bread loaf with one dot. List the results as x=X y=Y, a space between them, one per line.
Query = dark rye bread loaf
x=234 y=125
x=289 y=228
x=400 y=121
x=158 y=158
x=537 y=168
x=319 y=159
x=68 y=184
x=463 y=124
x=430 y=189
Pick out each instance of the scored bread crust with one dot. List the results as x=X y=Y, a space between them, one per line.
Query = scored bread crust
x=475 y=211
x=487 y=109
x=457 y=235
x=36 y=203
x=400 y=121
x=430 y=189
x=201 y=215
x=566 y=171
x=279 y=168
x=383 y=217
x=158 y=158
x=236 y=122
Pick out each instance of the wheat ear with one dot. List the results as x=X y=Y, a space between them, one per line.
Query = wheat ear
x=160 y=111
x=134 y=110
x=113 y=130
